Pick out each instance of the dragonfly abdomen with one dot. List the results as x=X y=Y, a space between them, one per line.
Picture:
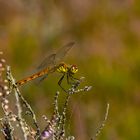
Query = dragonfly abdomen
x=32 y=77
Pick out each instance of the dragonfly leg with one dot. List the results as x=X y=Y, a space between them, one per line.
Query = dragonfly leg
x=68 y=80
x=73 y=79
x=75 y=82
x=60 y=82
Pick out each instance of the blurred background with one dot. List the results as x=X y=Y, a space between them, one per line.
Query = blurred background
x=107 y=53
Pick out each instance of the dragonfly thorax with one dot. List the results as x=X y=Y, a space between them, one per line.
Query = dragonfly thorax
x=62 y=68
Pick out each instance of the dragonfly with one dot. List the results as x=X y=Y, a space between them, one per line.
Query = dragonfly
x=51 y=64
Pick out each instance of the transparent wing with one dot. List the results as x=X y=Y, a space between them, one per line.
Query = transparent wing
x=63 y=51
x=47 y=62
x=55 y=58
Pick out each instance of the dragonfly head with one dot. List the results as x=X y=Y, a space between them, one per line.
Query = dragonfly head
x=73 y=69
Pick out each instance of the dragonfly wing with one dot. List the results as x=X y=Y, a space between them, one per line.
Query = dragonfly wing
x=40 y=79
x=63 y=51
x=47 y=62
x=55 y=57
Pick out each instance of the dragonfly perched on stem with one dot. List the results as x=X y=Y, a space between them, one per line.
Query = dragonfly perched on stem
x=53 y=63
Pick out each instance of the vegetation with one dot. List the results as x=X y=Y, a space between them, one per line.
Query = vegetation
x=106 y=53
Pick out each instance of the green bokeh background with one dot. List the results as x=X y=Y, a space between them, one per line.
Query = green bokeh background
x=107 y=53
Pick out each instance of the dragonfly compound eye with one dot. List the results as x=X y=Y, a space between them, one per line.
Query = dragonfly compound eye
x=74 y=69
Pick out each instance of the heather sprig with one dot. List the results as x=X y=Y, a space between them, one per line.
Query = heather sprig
x=55 y=128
